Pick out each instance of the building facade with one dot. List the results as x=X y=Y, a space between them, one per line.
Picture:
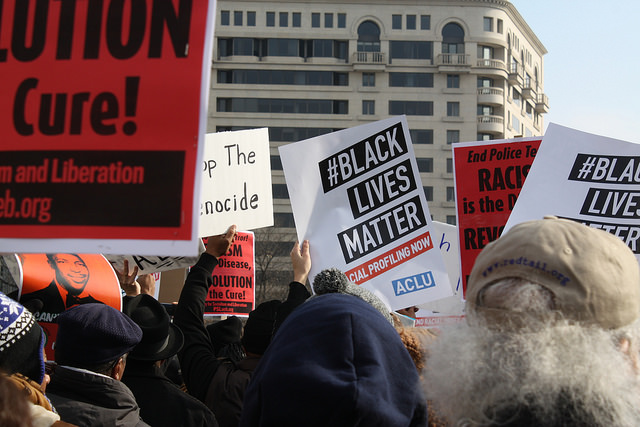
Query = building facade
x=460 y=70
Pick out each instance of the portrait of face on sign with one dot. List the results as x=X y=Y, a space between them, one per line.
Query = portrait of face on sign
x=53 y=283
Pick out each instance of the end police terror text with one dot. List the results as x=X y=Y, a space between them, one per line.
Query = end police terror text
x=86 y=31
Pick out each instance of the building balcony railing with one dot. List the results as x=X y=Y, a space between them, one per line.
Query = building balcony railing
x=453 y=59
x=542 y=103
x=490 y=95
x=494 y=64
x=515 y=74
x=369 y=58
x=528 y=92
x=490 y=124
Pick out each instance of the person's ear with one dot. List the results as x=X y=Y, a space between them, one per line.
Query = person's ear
x=118 y=369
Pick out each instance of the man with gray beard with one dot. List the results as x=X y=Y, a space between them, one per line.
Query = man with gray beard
x=551 y=337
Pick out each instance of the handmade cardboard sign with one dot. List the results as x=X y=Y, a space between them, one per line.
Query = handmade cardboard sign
x=356 y=195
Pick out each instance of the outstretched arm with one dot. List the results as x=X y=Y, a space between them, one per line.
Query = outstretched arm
x=197 y=357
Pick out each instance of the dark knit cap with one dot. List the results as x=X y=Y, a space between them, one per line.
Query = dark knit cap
x=259 y=327
x=225 y=332
x=21 y=341
x=91 y=334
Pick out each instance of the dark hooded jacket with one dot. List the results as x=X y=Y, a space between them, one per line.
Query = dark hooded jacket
x=336 y=361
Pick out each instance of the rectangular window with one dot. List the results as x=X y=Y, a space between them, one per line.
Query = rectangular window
x=453 y=109
x=487 y=23
x=251 y=19
x=411 y=22
x=396 y=22
x=500 y=26
x=368 y=79
x=425 y=22
x=284 y=19
x=328 y=20
x=368 y=107
x=425 y=164
x=453 y=80
x=342 y=20
x=453 y=136
x=410 y=49
x=421 y=136
x=315 y=20
x=428 y=193
x=451 y=219
x=411 y=108
x=449 y=165
x=271 y=19
x=237 y=17
x=451 y=194
x=410 y=79
x=296 y=19
x=485 y=110
x=224 y=17
x=279 y=191
x=516 y=97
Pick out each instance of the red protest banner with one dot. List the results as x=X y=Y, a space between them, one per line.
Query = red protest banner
x=232 y=292
x=488 y=179
x=101 y=112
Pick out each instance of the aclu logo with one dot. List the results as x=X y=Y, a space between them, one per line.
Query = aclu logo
x=415 y=283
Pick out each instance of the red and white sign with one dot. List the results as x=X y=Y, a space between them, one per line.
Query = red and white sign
x=102 y=118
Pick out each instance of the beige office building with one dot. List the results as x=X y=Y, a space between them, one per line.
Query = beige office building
x=460 y=70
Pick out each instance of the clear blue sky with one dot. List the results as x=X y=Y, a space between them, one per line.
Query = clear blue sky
x=592 y=68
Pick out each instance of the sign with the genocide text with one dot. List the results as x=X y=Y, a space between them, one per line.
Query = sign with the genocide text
x=356 y=195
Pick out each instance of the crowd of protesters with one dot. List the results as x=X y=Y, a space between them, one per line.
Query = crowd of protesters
x=551 y=338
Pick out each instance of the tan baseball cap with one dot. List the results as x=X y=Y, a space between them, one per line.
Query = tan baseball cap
x=593 y=275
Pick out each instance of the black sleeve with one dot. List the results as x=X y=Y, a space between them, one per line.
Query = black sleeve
x=197 y=357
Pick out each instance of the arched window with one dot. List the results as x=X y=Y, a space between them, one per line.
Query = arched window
x=452 y=38
x=368 y=37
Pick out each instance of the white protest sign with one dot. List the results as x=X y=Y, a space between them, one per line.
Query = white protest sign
x=154 y=264
x=236 y=182
x=356 y=195
x=588 y=178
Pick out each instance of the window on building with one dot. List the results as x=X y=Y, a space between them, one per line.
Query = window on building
x=425 y=22
x=428 y=193
x=368 y=37
x=500 y=26
x=284 y=77
x=485 y=110
x=515 y=123
x=411 y=108
x=296 y=19
x=396 y=22
x=516 y=97
x=276 y=163
x=410 y=49
x=342 y=20
x=529 y=110
x=451 y=219
x=487 y=23
x=453 y=136
x=284 y=19
x=411 y=22
x=368 y=79
x=328 y=20
x=271 y=19
x=368 y=107
x=451 y=194
x=411 y=79
x=449 y=165
x=237 y=17
x=485 y=82
x=452 y=38
x=283 y=219
x=315 y=20
x=282 y=105
x=486 y=52
x=484 y=137
x=421 y=136
x=224 y=17
x=425 y=164
x=453 y=109
x=453 y=80
x=279 y=191
x=251 y=19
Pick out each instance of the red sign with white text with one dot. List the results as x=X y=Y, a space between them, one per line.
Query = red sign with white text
x=232 y=292
x=488 y=178
x=100 y=117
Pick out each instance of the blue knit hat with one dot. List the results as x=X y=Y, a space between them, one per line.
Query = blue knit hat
x=21 y=341
x=91 y=334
